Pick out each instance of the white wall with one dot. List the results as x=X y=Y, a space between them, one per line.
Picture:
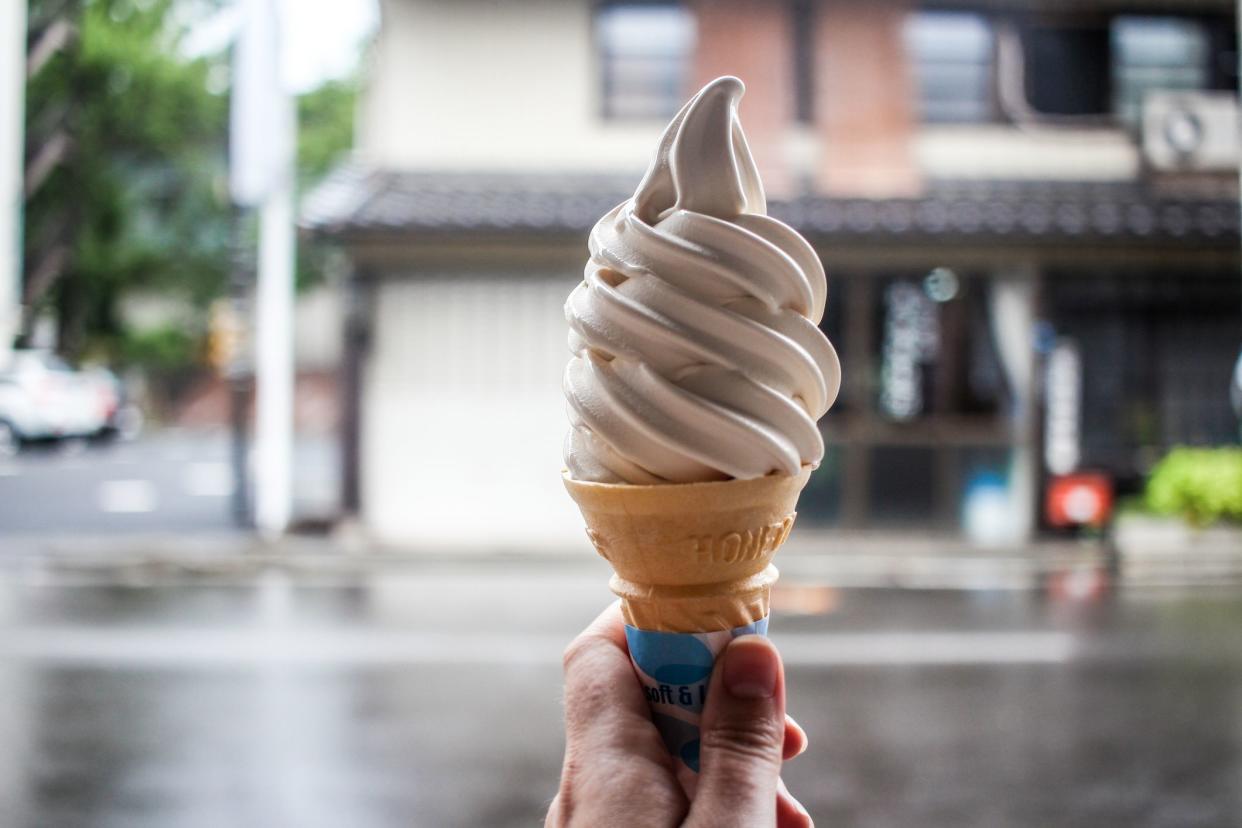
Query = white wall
x=483 y=84
x=514 y=86
x=464 y=415
x=318 y=324
x=1045 y=154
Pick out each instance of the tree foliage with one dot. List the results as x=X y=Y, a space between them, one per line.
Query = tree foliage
x=325 y=128
x=139 y=195
x=141 y=201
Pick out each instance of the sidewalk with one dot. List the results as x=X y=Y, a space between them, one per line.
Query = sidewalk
x=840 y=559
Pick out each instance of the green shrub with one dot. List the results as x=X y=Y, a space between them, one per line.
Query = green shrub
x=1201 y=485
x=161 y=350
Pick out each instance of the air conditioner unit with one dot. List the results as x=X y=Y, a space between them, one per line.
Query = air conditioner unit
x=1191 y=131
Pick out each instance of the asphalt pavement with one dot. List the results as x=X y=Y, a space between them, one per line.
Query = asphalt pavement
x=220 y=683
x=428 y=694
x=172 y=482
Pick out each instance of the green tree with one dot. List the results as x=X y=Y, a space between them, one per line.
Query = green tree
x=140 y=200
x=325 y=135
x=325 y=128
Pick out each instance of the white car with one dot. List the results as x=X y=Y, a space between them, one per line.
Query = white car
x=43 y=398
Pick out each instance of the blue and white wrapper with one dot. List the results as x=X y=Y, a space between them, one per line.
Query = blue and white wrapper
x=675 y=669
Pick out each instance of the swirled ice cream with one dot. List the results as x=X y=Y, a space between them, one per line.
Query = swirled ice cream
x=696 y=351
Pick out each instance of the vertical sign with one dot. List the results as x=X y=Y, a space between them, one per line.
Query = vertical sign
x=1062 y=408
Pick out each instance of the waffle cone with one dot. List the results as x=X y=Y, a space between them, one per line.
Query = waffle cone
x=691 y=557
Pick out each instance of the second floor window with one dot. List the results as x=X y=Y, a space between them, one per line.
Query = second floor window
x=951 y=56
x=645 y=51
x=1113 y=65
x=1155 y=53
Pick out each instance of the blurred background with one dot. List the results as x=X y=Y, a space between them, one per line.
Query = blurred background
x=282 y=534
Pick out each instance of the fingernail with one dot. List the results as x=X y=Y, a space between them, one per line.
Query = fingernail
x=806 y=740
x=751 y=668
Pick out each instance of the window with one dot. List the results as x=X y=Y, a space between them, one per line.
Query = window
x=952 y=55
x=1112 y=65
x=1066 y=69
x=1151 y=53
x=645 y=54
x=937 y=354
x=1156 y=350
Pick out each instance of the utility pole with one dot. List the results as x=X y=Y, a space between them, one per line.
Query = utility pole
x=261 y=177
x=273 y=349
x=12 y=166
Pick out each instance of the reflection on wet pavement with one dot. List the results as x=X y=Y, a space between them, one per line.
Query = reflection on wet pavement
x=430 y=696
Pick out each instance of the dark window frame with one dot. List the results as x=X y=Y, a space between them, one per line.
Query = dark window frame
x=802 y=20
x=1220 y=59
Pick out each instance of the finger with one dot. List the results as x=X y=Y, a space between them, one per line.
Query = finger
x=743 y=729
x=553 y=819
x=796 y=740
x=608 y=732
x=609 y=625
x=604 y=704
x=789 y=811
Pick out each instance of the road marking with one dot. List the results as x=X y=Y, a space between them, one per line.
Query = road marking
x=9 y=469
x=208 y=479
x=280 y=645
x=127 y=496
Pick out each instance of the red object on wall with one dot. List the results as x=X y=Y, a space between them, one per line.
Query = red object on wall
x=1079 y=500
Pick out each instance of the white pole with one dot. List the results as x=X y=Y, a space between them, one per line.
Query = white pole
x=12 y=166
x=261 y=174
x=274 y=367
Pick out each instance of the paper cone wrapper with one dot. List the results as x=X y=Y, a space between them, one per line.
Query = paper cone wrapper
x=693 y=568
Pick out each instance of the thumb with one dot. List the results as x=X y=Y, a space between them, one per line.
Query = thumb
x=743 y=730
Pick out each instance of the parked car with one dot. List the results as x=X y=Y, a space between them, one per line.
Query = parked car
x=42 y=398
x=122 y=417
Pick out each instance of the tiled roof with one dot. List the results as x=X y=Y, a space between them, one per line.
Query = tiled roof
x=356 y=202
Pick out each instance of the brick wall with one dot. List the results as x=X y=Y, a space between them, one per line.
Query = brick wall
x=864 y=101
x=752 y=39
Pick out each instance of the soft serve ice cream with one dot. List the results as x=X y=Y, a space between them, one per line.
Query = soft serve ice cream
x=697 y=361
x=696 y=351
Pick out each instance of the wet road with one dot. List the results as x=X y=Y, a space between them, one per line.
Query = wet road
x=427 y=695
x=172 y=481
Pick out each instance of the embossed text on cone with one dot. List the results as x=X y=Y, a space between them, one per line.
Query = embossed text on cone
x=691 y=557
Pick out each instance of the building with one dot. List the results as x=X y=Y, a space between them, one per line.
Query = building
x=1027 y=209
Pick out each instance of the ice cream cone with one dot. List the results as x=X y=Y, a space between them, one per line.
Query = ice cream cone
x=691 y=557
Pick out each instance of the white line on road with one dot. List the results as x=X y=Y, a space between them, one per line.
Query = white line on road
x=127 y=496
x=281 y=646
x=208 y=479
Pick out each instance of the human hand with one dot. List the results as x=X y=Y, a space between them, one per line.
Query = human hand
x=617 y=770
